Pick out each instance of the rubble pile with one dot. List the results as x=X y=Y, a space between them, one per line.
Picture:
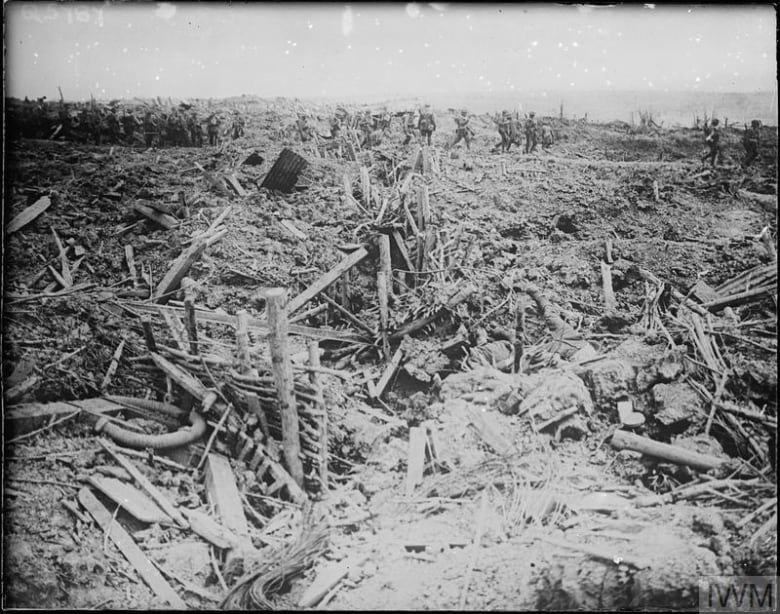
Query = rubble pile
x=320 y=363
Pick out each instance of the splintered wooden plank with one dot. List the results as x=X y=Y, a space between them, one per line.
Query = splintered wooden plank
x=284 y=173
x=256 y=325
x=210 y=530
x=290 y=227
x=130 y=550
x=144 y=482
x=57 y=408
x=328 y=577
x=176 y=326
x=388 y=373
x=233 y=183
x=131 y=499
x=163 y=219
x=326 y=280
x=222 y=493
x=178 y=270
x=28 y=215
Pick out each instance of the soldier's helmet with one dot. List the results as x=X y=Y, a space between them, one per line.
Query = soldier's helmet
x=755 y=123
x=715 y=122
x=532 y=114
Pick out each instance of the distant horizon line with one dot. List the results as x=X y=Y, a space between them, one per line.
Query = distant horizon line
x=388 y=96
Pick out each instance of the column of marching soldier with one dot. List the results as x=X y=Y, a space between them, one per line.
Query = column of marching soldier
x=183 y=126
x=100 y=124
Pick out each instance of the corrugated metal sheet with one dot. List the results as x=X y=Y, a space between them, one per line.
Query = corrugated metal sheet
x=284 y=173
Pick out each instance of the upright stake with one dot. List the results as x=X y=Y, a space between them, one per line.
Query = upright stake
x=365 y=184
x=146 y=322
x=242 y=341
x=385 y=261
x=283 y=375
x=422 y=207
x=314 y=361
x=189 y=313
x=384 y=315
x=421 y=251
x=518 y=338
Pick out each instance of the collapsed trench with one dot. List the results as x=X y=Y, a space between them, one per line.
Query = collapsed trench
x=247 y=440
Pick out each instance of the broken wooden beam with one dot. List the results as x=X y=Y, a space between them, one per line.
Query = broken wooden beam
x=157 y=496
x=326 y=280
x=606 y=281
x=112 y=367
x=242 y=341
x=182 y=378
x=739 y=299
x=696 y=308
x=385 y=261
x=623 y=440
x=314 y=361
x=66 y=274
x=256 y=325
x=178 y=270
x=222 y=493
x=190 y=322
x=132 y=500
x=290 y=227
x=283 y=376
x=175 y=324
x=146 y=324
x=423 y=207
x=130 y=259
x=28 y=215
x=209 y=529
x=27 y=416
x=163 y=219
x=387 y=374
x=456 y=299
x=365 y=187
x=348 y=314
x=232 y=181
x=328 y=577
x=130 y=549
x=384 y=312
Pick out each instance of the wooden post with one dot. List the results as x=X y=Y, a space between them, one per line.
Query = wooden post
x=283 y=375
x=518 y=338
x=344 y=290
x=385 y=261
x=656 y=193
x=365 y=183
x=190 y=322
x=242 y=341
x=131 y=264
x=423 y=208
x=146 y=322
x=384 y=315
x=606 y=278
x=421 y=251
x=314 y=361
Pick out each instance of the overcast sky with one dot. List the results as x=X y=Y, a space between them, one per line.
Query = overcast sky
x=188 y=50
